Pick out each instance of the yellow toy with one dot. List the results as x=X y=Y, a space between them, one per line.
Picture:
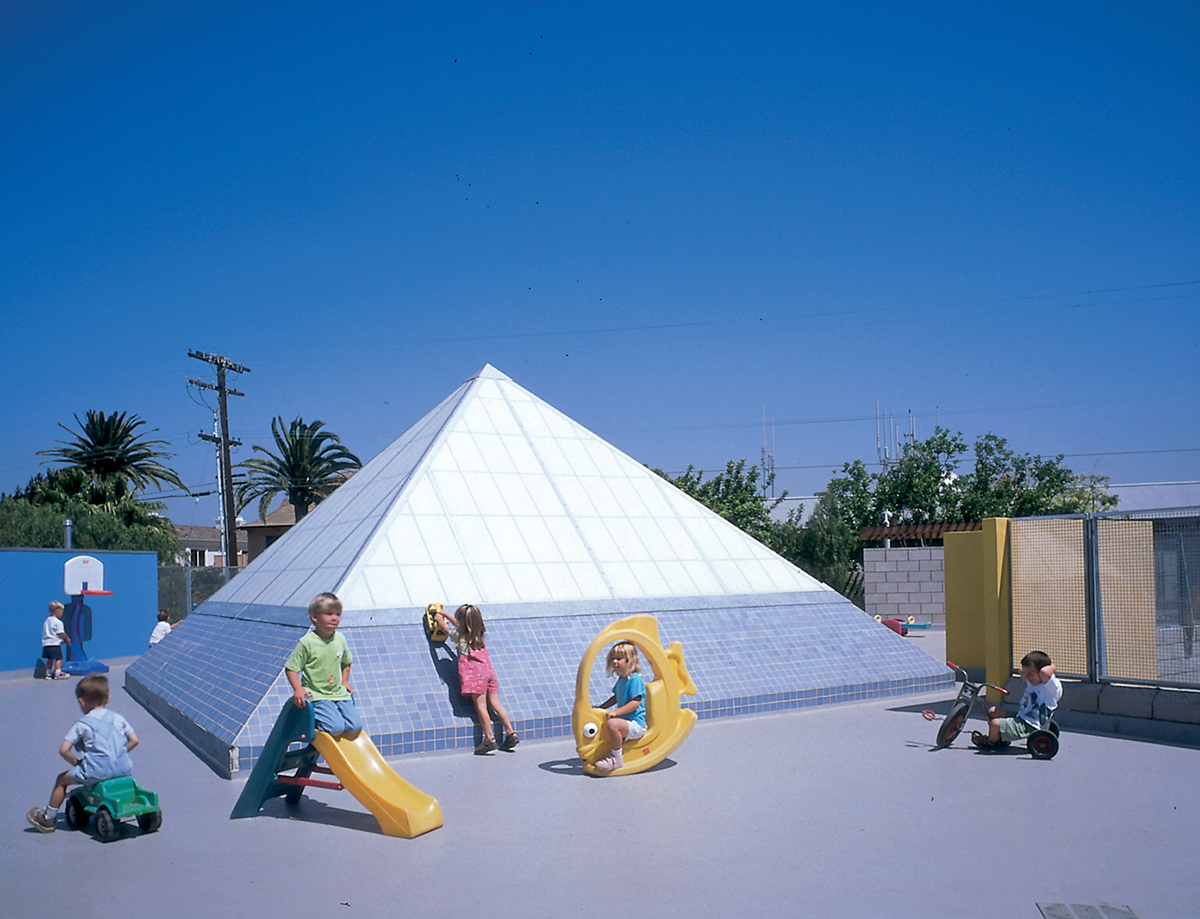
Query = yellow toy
x=433 y=629
x=667 y=722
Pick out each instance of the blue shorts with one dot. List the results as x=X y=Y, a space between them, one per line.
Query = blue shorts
x=337 y=716
x=52 y=652
x=85 y=773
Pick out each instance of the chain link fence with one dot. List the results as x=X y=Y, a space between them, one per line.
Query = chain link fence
x=182 y=588
x=1110 y=597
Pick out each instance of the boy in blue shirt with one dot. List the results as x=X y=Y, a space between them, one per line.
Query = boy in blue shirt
x=97 y=747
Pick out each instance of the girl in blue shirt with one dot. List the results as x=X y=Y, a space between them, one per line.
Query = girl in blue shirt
x=628 y=720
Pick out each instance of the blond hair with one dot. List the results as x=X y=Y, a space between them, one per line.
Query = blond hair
x=55 y=606
x=626 y=651
x=322 y=602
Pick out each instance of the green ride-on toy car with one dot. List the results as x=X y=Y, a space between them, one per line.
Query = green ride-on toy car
x=113 y=801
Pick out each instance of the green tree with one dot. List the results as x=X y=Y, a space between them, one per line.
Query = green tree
x=922 y=485
x=735 y=494
x=825 y=547
x=849 y=496
x=57 y=487
x=104 y=515
x=109 y=447
x=1088 y=494
x=309 y=465
x=1004 y=484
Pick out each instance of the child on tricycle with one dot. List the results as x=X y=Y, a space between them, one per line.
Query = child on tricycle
x=1042 y=692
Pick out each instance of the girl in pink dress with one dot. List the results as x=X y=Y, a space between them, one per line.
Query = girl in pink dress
x=477 y=675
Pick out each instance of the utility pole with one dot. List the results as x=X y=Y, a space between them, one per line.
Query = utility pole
x=229 y=534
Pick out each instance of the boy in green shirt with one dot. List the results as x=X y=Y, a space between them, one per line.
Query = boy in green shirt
x=319 y=670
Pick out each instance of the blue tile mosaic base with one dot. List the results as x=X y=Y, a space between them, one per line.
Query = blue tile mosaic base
x=220 y=685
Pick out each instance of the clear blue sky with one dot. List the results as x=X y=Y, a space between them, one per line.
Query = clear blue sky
x=663 y=219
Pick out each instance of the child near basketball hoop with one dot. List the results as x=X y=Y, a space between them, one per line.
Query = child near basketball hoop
x=53 y=636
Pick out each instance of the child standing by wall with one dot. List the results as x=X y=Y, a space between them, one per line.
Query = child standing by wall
x=97 y=747
x=53 y=636
x=477 y=675
x=628 y=720
x=319 y=670
x=1042 y=692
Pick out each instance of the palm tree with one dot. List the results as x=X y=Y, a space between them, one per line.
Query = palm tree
x=109 y=447
x=310 y=464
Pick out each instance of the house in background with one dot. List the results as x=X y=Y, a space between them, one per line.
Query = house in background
x=261 y=533
x=258 y=534
x=202 y=546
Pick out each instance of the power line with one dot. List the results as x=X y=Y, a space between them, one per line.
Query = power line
x=934 y=413
x=1147 y=484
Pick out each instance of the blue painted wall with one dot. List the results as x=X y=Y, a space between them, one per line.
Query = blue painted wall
x=121 y=624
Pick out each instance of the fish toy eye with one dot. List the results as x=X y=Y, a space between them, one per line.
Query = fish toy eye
x=590 y=730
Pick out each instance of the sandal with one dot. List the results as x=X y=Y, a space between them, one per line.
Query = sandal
x=980 y=740
x=509 y=742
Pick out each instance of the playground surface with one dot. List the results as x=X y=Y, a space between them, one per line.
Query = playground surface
x=832 y=811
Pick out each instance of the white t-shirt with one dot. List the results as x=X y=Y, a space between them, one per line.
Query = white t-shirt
x=161 y=631
x=1039 y=702
x=52 y=632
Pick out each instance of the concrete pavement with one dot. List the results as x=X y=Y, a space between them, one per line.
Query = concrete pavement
x=834 y=811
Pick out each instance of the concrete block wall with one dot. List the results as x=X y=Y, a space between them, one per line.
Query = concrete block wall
x=898 y=583
x=1118 y=701
x=1143 y=712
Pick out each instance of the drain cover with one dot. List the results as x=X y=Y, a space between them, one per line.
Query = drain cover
x=1084 y=911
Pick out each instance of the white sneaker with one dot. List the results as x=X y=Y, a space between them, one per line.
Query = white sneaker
x=37 y=816
x=61 y=676
x=609 y=763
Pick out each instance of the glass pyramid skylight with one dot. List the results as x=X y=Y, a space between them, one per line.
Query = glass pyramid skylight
x=497 y=498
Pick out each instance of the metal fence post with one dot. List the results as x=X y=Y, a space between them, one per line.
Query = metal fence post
x=1097 y=656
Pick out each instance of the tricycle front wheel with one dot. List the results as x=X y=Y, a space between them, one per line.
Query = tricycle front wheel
x=953 y=724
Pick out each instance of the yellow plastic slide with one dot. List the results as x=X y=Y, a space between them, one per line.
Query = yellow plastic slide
x=400 y=808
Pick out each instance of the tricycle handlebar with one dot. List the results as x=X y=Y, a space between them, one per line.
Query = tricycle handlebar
x=953 y=666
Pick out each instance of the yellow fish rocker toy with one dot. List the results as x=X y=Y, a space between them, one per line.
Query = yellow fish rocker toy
x=667 y=722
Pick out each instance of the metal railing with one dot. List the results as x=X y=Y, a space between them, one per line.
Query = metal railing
x=1110 y=597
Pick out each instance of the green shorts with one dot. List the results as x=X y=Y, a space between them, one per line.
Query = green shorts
x=1015 y=729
